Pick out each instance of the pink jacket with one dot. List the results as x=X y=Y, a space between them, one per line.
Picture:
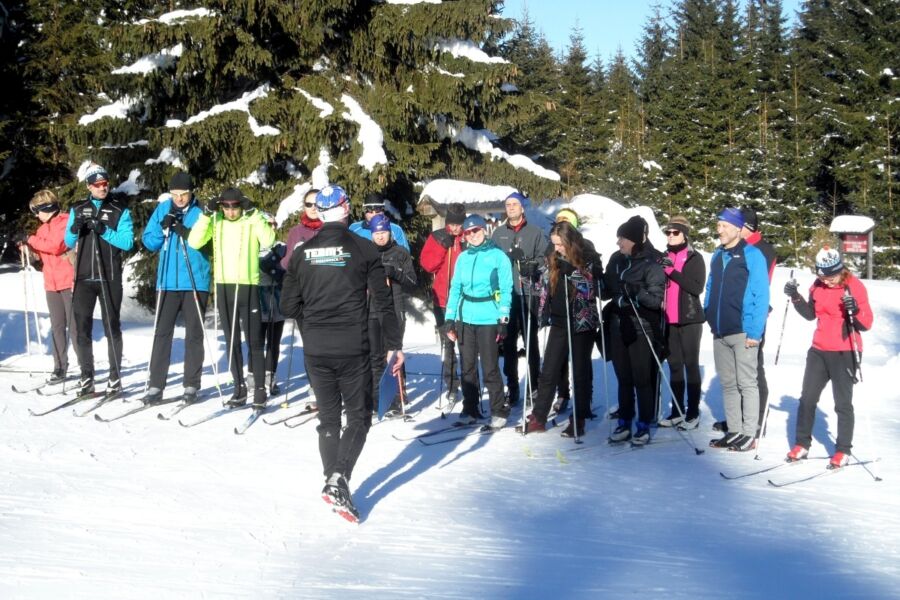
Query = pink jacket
x=48 y=241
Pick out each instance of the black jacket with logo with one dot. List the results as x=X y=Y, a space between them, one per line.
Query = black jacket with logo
x=328 y=284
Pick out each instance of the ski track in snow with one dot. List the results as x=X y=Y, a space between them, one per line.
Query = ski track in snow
x=142 y=508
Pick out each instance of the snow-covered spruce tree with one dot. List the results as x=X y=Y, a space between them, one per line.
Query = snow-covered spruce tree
x=848 y=55
x=374 y=96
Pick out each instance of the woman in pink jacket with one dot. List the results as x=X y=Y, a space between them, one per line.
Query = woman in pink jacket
x=839 y=303
x=59 y=273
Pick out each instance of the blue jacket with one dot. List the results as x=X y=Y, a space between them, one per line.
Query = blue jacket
x=172 y=274
x=737 y=291
x=361 y=228
x=481 y=288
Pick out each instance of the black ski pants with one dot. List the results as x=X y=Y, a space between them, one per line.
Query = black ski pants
x=449 y=364
x=171 y=304
x=341 y=384
x=556 y=361
x=636 y=373
x=523 y=310
x=480 y=342
x=761 y=383
x=684 y=357
x=247 y=322
x=84 y=298
x=271 y=334
x=822 y=367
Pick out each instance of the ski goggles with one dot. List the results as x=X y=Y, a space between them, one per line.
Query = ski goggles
x=48 y=207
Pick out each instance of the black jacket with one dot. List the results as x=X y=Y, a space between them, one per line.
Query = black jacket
x=642 y=279
x=399 y=269
x=328 y=284
x=109 y=268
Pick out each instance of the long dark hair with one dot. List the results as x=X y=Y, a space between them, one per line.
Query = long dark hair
x=573 y=242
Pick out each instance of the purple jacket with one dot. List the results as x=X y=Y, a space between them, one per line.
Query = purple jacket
x=300 y=233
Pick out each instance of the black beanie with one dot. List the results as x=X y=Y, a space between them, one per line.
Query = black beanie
x=181 y=182
x=456 y=214
x=633 y=229
x=751 y=220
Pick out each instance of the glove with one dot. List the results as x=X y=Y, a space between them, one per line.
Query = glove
x=19 y=237
x=96 y=226
x=501 y=332
x=665 y=261
x=565 y=267
x=446 y=241
x=450 y=330
x=180 y=230
x=212 y=205
x=527 y=269
x=168 y=221
x=850 y=305
x=392 y=272
x=516 y=255
x=77 y=225
x=790 y=288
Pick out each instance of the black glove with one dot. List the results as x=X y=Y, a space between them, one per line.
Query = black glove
x=169 y=220
x=665 y=261
x=527 y=269
x=19 y=237
x=850 y=305
x=96 y=226
x=180 y=230
x=77 y=224
x=516 y=255
x=450 y=330
x=446 y=241
x=501 y=332
x=791 y=287
x=393 y=272
x=212 y=205
x=565 y=267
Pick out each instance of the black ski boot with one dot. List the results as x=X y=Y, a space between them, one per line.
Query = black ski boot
x=86 y=384
x=337 y=493
x=154 y=395
x=259 y=399
x=189 y=396
x=238 y=399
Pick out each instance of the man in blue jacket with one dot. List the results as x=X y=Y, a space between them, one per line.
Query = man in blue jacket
x=182 y=271
x=374 y=205
x=736 y=306
x=100 y=230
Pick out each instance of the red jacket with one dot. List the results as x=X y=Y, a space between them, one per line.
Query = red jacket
x=440 y=262
x=48 y=241
x=831 y=325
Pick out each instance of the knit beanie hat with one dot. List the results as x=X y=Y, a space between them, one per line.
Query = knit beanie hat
x=680 y=223
x=633 y=229
x=95 y=174
x=751 y=220
x=456 y=214
x=828 y=262
x=733 y=216
x=380 y=223
x=181 y=182
x=520 y=198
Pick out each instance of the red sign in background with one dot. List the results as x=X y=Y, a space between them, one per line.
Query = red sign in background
x=856 y=243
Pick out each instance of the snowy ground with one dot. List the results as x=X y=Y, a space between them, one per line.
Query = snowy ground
x=142 y=508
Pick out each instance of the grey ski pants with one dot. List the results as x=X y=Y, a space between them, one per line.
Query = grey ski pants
x=736 y=368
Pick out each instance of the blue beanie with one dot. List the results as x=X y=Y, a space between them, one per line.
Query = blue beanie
x=520 y=197
x=733 y=216
x=380 y=223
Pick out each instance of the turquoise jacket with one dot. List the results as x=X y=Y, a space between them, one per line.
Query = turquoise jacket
x=481 y=288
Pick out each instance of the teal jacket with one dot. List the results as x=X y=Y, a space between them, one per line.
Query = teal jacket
x=481 y=288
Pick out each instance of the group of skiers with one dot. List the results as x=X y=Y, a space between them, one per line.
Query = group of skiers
x=345 y=285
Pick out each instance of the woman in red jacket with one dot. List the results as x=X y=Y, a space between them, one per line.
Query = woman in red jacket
x=841 y=304
x=59 y=274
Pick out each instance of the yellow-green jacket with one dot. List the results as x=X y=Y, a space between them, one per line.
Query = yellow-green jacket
x=236 y=245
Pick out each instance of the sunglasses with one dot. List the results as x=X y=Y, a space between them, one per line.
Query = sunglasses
x=99 y=184
x=671 y=232
x=230 y=205
x=375 y=209
x=309 y=204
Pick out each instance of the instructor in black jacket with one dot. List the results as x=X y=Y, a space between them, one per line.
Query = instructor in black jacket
x=327 y=287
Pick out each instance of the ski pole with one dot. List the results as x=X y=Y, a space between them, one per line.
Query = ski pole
x=163 y=267
x=290 y=363
x=30 y=270
x=104 y=313
x=857 y=366
x=25 y=289
x=441 y=381
x=605 y=367
x=200 y=316
x=688 y=441
x=571 y=364
x=787 y=305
